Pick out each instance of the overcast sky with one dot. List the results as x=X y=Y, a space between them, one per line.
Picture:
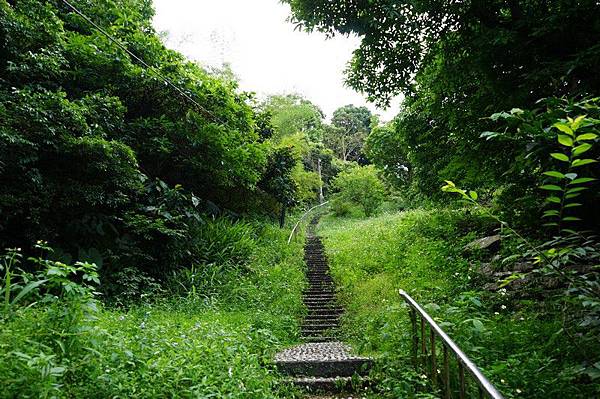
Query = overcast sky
x=264 y=51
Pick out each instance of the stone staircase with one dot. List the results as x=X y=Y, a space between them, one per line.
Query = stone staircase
x=322 y=364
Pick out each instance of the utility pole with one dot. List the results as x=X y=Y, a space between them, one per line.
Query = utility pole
x=321 y=196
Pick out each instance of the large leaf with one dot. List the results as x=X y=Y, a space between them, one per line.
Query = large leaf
x=565 y=140
x=578 y=121
x=580 y=149
x=581 y=162
x=582 y=180
x=586 y=136
x=551 y=187
x=576 y=190
x=27 y=289
x=563 y=127
x=554 y=173
x=573 y=205
x=560 y=156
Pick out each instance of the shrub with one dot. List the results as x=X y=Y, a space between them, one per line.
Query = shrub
x=358 y=187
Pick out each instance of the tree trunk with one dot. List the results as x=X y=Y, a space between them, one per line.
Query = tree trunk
x=282 y=216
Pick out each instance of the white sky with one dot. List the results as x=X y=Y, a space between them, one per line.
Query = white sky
x=263 y=49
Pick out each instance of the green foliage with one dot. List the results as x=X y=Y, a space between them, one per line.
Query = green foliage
x=545 y=133
x=99 y=156
x=537 y=46
x=277 y=179
x=225 y=242
x=527 y=347
x=386 y=150
x=575 y=135
x=456 y=63
x=357 y=187
x=199 y=346
x=350 y=125
x=293 y=114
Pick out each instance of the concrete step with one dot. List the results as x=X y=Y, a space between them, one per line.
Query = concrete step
x=318 y=292
x=325 y=368
x=326 y=301
x=330 y=312
x=322 y=319
x=342 y=387
x=324 y=332
x=323 y=306
x=319 y=339
x=312 y=328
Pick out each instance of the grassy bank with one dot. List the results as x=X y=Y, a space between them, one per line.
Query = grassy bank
x=217 y=346
x=522 y=345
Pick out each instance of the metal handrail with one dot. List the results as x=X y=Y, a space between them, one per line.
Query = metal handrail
x=484 y=385
x=302 y=218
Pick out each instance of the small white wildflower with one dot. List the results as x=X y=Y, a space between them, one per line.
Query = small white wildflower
x=121 y=318
x=502 y=381
x=521 y=318
x=143 y=325
x=496 y=313
x=503 y=307
x=518 y=390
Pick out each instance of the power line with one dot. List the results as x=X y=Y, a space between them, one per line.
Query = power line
x=150 y=68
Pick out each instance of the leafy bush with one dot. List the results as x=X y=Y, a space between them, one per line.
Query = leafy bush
x=52 y=345
x=98 y=156
x=358 y=187
x=510 y=337
x=225 y=242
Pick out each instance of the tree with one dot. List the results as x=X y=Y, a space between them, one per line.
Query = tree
x=387 y=151
x=535 y=44
x=97 y=154
x=349 y=128
x=458 y=63
x=278 y=181
x=292 y=114
x=359 y=186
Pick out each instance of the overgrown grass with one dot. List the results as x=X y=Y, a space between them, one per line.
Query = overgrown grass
x=522 y=345
x=201 y=346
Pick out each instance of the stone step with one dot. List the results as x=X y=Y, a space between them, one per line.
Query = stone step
x=325 y=368
x=318 y=293
x=319 y=335
x=312 y=328
x=308 y=301
x=325 y=312
x=329 y=305
x=322 y=318
x=317 y=332
x=320 y=339
x=319 y=298
x=347 y=386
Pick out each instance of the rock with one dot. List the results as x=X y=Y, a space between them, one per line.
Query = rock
x=486 y=269
x=523 y=267
x=491 y=243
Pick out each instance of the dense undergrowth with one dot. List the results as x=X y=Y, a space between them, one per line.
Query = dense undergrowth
x=525 y=345
x=56 y=343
